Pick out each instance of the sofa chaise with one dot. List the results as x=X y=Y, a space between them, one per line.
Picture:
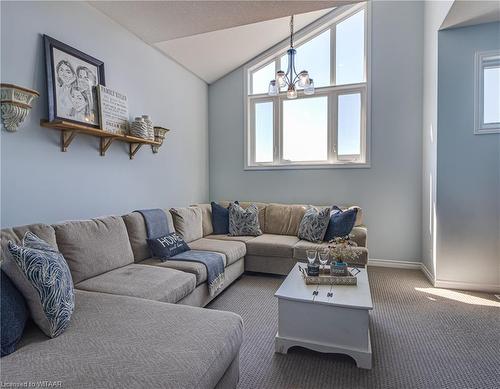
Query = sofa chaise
x=137 y=321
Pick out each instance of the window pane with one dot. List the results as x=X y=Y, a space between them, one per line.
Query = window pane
x=350 y=50
x=305 y=129
x=261 y=78
x=349 y=124
x=284 y=66
x=264 y=132
x=491 y=95
x=313 y=56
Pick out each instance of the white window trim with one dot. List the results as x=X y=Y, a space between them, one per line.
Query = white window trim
x=307 y=33
x=479 y=126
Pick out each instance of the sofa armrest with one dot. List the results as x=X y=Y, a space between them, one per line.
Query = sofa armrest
x=359 y=234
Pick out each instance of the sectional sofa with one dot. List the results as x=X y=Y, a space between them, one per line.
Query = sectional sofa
x=278 y=249
x=137 y=321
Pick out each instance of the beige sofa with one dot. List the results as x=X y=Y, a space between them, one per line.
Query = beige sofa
x=278 y=248
x=133 y=325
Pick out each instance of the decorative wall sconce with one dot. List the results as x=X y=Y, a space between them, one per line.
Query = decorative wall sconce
x=16 y=104
x=160 y=134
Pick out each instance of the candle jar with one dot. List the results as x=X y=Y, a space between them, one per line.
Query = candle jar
x=313 y=269
x=339 y=268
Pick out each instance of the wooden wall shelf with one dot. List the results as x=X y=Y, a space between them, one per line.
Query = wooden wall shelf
x=70 y=130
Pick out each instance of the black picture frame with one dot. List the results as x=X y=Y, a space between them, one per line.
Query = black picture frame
x=85 y=98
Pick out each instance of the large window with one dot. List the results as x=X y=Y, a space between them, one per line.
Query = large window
x=328 y=128
x=487 y=96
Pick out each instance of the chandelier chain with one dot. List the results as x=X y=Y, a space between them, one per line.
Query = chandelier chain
x=291 y=31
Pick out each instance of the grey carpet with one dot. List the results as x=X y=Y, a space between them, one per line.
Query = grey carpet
x=421 y=338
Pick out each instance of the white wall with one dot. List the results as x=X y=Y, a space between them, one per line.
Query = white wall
x=468 y=168
x=389 y=191
x=434 y=14
x=42 y=184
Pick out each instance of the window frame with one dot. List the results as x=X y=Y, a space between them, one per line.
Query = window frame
x=327 y=22
x=482 y=63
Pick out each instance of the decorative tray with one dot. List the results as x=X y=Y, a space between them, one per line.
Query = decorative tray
x=327 y=279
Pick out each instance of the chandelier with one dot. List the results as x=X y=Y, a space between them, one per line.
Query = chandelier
x=291 y=79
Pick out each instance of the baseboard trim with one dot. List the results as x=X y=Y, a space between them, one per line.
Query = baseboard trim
x=471 y=286
x=395 y=264
x=428 y=274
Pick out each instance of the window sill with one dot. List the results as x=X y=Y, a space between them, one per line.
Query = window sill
x=493 y=129
x=339 y=165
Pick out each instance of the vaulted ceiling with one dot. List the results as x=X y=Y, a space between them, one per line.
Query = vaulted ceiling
x=212 y=38
x=469 y=13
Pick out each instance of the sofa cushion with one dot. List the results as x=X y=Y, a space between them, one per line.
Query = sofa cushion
x=242 y=238
x=16 y=234
x=244 y=221
x=13 y=314
x=300 y=248
x=42 y=275
x=270 y=265
x=93 y=247
x=299 y=251
x=359 y=214
x=231 y=249
x=358 y=235
x=148 y=282
x=125 y=342
x=272 y=245
x=188 y=222
x=206 y=218
x=196 y=268
x=284 y=219
x=314 y=224
x=137 y=234
x=245 y=204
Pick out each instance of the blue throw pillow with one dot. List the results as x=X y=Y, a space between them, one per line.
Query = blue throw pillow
x=42 y=275
x=14 y=314
x=220 y=219
x=167 y=246
x=341 y=222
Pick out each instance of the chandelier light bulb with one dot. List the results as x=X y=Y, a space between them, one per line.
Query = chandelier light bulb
x=291 y=93
x=309 y=88
x=303 y=78
x=281 y=78
x=273 y=88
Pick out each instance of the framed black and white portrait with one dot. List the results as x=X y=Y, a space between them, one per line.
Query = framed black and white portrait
x=72 y=77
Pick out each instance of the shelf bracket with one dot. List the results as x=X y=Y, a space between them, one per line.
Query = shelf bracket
x=133 y=149
x=105 y=143
x=66 y=139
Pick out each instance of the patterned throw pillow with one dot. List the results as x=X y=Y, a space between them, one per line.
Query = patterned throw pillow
x=314 y=223
x=42 y=275
x=167 y=246
x=244 y=221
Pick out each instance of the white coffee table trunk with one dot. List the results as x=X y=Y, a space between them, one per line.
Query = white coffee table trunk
x=329 y=324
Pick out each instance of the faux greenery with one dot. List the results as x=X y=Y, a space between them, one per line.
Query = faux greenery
x=342 y=249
